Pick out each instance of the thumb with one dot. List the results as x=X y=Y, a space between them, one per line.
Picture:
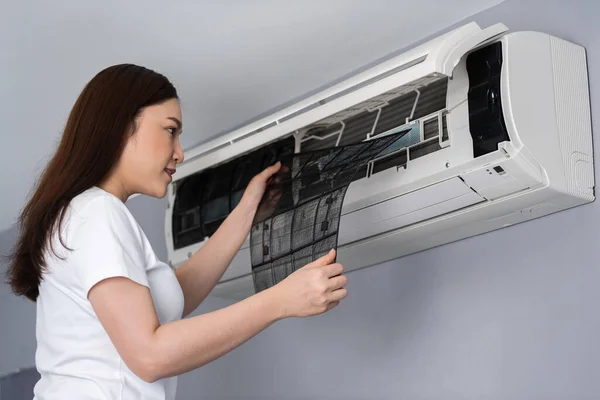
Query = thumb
x=323 y=261
x=269 y=171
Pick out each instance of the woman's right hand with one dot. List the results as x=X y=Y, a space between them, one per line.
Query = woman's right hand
x=312 y=289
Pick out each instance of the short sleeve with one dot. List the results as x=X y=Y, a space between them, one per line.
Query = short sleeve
x=107 y=242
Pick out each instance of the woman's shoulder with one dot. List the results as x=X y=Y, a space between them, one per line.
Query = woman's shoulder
x=103 y=240
x=95 y=207
x=95 y=201
x=96 y=218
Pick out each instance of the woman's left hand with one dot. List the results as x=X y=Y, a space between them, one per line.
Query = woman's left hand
x=257 y=186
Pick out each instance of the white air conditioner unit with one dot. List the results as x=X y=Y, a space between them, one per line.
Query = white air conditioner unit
x=500 y=134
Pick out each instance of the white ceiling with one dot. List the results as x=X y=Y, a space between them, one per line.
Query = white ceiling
x=230 y=60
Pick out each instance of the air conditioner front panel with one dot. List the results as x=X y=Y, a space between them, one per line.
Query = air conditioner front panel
x=413 y=207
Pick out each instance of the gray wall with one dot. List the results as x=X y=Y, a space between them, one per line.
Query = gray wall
x=507 y=315
x=17 y=320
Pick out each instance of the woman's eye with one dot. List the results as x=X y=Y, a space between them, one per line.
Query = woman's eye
x=172 y=130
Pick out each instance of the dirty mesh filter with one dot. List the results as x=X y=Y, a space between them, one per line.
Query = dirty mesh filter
x=298 y=218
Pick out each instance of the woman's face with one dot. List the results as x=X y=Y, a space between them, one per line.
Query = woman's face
x=153 y=151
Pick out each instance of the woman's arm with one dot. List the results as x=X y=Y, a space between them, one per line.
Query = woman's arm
x=199 y=275
x=153 y=351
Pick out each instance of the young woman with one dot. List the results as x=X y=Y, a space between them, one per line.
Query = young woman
x=110 y=314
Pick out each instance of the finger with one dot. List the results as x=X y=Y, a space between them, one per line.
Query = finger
x=338 y=295
x=266 y=174
x=269 y=171
x=332 y=270
x=332 y=305
x=337 y=282
x=284 y=168
x=322 y=261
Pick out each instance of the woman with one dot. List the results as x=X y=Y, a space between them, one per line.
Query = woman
x=109 y=313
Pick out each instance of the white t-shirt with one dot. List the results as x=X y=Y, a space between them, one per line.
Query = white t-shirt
x=75 y=357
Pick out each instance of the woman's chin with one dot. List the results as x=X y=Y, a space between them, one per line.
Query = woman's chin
x=159 y=191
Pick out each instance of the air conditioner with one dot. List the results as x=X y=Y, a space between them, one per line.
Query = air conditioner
x=500 y=133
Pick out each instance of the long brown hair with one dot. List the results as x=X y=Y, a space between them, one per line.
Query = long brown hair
x=101 y=121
